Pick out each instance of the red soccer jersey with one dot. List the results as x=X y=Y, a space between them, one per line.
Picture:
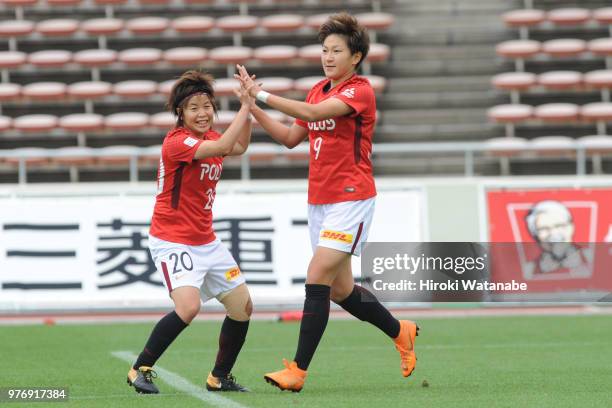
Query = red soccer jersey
x=185 y=190
x=340 y=167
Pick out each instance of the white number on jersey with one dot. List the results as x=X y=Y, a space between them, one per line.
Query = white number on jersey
x=317 y=146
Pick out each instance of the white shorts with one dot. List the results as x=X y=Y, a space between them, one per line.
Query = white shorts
x=343 y=226
x=210 y=268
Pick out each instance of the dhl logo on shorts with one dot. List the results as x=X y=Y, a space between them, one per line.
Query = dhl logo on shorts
x=232 y=274
x=337 y=236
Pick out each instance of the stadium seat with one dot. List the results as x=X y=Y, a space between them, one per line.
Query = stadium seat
x=504 y=148
x=310 y=53
x=272 y=54
x=305 y=84
x=35 y=123
x=599 y=112
x=63 y=3
x=44 y=90
x=375 y=21
x=282 y=22
x=564 y=47
x=89 y=89
x=57 y=27
x=274 y=114
x=603 y=47
x=5 y=123
x=126 y=121
x=165 y=87
x=518 y=50
x=523 y=19
x=150 y=155
x=546 y=146
x=193 y=24
x=600 y=79
x=109 y=6
x=74 y=156
x=224 y=118
x=185 y=55
x=560 y=80
x=18 y=5
x=378 y=82
x=315 y=21
x=604 y=16
x=102 y=28
x=276 y=85
x=50 y=58
x=378 y=53
x=147 y=25
x=12 y=29
x=597 y=146
x=236 y=25
x=515 y=82
x=35 y=156
x=557 y=112
x=162 y=120
x=225 y=86
x=230 y=56
x=510 y=114
x=140 y=56
x=135 y=88
x=81 y=123
x=9 y=91
x=568 y=16
x=10 y=60
x=116 y=155
x=94 y=59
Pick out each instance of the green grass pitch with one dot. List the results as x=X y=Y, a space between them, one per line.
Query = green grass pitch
x=514 y=362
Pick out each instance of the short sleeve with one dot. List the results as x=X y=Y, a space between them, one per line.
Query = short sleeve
x=182 y=147
x=301 y=123
x=358 y=96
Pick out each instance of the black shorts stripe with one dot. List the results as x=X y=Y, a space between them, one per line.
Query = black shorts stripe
x=357 y=140
x=357 y=238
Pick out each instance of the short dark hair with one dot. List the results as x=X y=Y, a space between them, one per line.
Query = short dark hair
x=190 y=83
x=346 y=25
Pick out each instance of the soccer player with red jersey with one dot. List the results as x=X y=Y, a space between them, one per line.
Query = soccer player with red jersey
x=194 y=263
x=338 y=117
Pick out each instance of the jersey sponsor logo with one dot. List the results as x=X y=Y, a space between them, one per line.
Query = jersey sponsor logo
x=337 y=236
x=232 y=274
x=328 y=124
x=190 y=141
x=212 y=171
x=349 y=93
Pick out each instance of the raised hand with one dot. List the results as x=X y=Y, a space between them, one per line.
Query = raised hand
x=247 y=81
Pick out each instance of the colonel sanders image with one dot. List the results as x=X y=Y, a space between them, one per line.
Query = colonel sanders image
x=551 y=225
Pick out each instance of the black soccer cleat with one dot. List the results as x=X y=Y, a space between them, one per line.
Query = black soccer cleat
x=227 y=383
x=142 y=380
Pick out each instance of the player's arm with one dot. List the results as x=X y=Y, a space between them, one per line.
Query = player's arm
x=330 y=108
x=244 y=139
x=225 y=144
x=289 y=136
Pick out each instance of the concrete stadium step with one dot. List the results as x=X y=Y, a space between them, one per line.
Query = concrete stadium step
x=461 y=52
x=438 y=83
x=442 y=99
x=388 y=133
x=435 y=116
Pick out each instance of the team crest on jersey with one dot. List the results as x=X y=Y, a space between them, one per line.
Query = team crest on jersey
x=232 y=274
x=190 y=141
x=349 y=93
x=337 y=236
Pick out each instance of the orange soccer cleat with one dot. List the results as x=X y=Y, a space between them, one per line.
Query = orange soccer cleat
x=291 y=378
x=404 y=343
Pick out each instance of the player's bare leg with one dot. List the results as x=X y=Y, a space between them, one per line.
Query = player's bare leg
x=362 y=304
x=321 y=273
x=239 y=307
x=187 y=306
